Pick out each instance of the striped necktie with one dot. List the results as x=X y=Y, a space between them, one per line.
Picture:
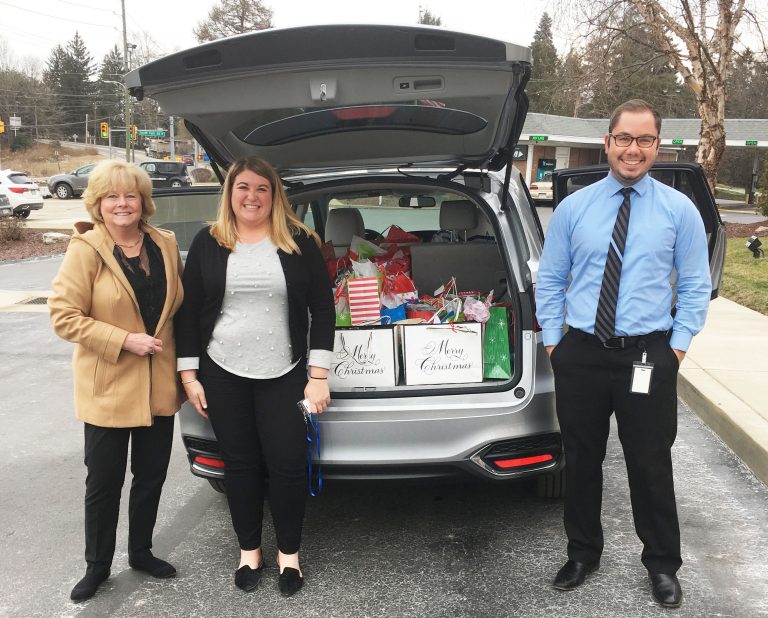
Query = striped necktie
x=605 y=319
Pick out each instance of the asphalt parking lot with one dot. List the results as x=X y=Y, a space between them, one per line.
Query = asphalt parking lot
x=371 y=549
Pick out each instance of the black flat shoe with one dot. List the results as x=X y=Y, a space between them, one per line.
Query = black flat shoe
x=573 y=574
x=247 y=578
x=87 y=587
x=666 y=590
x=290 y=582
x=147 y=563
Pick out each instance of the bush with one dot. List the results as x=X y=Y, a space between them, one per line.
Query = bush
x=11 y=228
x=21 y=142
x=761 y=199
x=202 y=174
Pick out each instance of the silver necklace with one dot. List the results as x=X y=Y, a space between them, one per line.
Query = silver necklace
x=132 y=245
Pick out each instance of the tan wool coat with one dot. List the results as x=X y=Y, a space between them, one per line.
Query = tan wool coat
x=93 y=306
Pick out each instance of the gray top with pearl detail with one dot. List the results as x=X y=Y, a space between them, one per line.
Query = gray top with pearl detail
x=251 y=338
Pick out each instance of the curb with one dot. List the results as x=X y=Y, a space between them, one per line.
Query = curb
x=740 y=427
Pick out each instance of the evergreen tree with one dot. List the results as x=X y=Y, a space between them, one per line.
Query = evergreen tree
x=428 y=18
x=546 y=71
x=109 y=100
x=762 y=185
x=68 y=74
x=230 y=17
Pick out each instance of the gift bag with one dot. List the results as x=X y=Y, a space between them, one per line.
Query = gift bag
x=343 y=318
x=364 y=302
x=496 y=357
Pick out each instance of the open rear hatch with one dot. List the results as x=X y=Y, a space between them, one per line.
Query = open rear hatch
x=336 y=97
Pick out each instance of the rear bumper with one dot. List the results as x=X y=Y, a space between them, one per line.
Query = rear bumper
x=493 y=445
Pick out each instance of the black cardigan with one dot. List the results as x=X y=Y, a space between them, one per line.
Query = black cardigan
x=204 y=279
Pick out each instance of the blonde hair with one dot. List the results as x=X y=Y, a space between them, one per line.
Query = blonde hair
x=284 y=224
x=108 y=176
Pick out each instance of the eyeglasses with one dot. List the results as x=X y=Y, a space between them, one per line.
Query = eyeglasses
x=643 y=141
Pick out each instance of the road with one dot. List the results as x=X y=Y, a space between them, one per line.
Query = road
x=373 y=549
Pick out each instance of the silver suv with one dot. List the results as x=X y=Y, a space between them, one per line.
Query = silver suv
x=402 y=126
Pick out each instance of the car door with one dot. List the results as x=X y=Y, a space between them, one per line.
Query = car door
x=80 y=180
x=688 y=178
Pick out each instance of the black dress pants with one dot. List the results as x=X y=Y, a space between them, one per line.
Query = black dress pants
x=106 y=456
x=592 y=382
x=258 y=424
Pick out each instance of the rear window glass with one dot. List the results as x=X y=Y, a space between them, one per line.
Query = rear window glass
x=19 y=179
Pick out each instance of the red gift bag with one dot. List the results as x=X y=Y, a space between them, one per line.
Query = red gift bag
x=364 y=303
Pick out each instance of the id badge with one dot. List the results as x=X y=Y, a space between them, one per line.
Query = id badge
x=642 y=372
x=305 y=410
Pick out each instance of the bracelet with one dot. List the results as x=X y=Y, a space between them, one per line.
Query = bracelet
x=314 y=378
x=189 y=381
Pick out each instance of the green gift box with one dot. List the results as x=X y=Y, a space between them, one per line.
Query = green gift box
x=496 y=358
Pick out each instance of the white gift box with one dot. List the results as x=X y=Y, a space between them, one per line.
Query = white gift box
x=442 y=353
x=364 y=357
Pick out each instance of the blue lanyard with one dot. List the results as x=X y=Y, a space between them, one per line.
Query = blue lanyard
x=313 y=437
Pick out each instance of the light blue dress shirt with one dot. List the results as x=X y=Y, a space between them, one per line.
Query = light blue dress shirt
x=665 y=233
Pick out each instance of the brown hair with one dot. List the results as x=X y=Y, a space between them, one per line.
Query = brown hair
x=634 y=105
x=108 y=176
x=284 y=224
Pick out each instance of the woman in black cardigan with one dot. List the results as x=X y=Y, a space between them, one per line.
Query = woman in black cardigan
x=249 y=282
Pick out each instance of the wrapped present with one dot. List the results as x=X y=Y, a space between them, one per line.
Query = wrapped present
x=364 y=301
x=421 y=311
x=398 y=234
x=364 y=357
x=394 y=314
x=496 y=357
x=442 y=353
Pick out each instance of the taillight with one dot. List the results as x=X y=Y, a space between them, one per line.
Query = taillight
x=534 y=187
x=19 y=189
x=209 y=461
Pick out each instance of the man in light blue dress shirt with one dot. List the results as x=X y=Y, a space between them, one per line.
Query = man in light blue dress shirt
x=629 y=367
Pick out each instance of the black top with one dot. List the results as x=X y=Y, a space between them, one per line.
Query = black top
x=204 y=279
x=146 y=274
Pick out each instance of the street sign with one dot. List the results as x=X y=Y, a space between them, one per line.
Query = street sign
x=150 y=133
x=539 y=138
x=15 y=121
x=751 y=142
x=677 y=141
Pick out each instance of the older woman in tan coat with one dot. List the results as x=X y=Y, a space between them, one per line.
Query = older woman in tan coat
x=114 y=298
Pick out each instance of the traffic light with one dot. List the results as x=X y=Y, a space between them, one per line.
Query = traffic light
x=134 y=132
x=104 y=130
x=2 y=126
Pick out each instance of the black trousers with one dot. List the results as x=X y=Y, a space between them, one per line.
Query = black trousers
x=260 y=431
x=592 y=382
x=106 y=456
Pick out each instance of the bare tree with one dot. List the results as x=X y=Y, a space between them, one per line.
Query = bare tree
x=231 y=17
x=697 y=39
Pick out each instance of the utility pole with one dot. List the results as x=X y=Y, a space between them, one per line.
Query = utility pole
x=127 y=112
x=86 y=128
x=173 y=138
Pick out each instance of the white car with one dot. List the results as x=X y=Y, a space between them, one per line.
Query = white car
x=23 y=194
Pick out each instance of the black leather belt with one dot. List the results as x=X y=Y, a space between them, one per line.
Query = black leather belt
x=618 y=343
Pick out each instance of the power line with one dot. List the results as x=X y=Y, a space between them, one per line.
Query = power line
x=85 y=6
x=59 y=17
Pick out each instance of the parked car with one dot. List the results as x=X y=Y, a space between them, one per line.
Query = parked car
x=6 y=210
x=167 y=173
x=404 y=126
x=541 y=190
x=73 y=184
x=22 y=193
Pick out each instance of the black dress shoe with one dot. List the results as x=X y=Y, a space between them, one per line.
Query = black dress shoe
x=573 y=574
x=666 y=590
x=247 y=578
x=154 y=566
x=87 y=587
x=290 y=582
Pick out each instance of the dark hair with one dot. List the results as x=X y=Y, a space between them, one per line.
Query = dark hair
x=634 y=105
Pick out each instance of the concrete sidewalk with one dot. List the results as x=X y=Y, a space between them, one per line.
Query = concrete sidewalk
x=724 y=379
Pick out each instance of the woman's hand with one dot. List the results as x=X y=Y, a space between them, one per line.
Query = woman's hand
x=142 y=344
x=196 y=395
x=318 y=395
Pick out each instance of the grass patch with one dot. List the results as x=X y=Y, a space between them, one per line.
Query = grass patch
x=745 y=279
x=42 y=160
x=727 y=192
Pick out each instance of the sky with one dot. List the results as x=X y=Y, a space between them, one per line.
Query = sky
x=30 y=29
